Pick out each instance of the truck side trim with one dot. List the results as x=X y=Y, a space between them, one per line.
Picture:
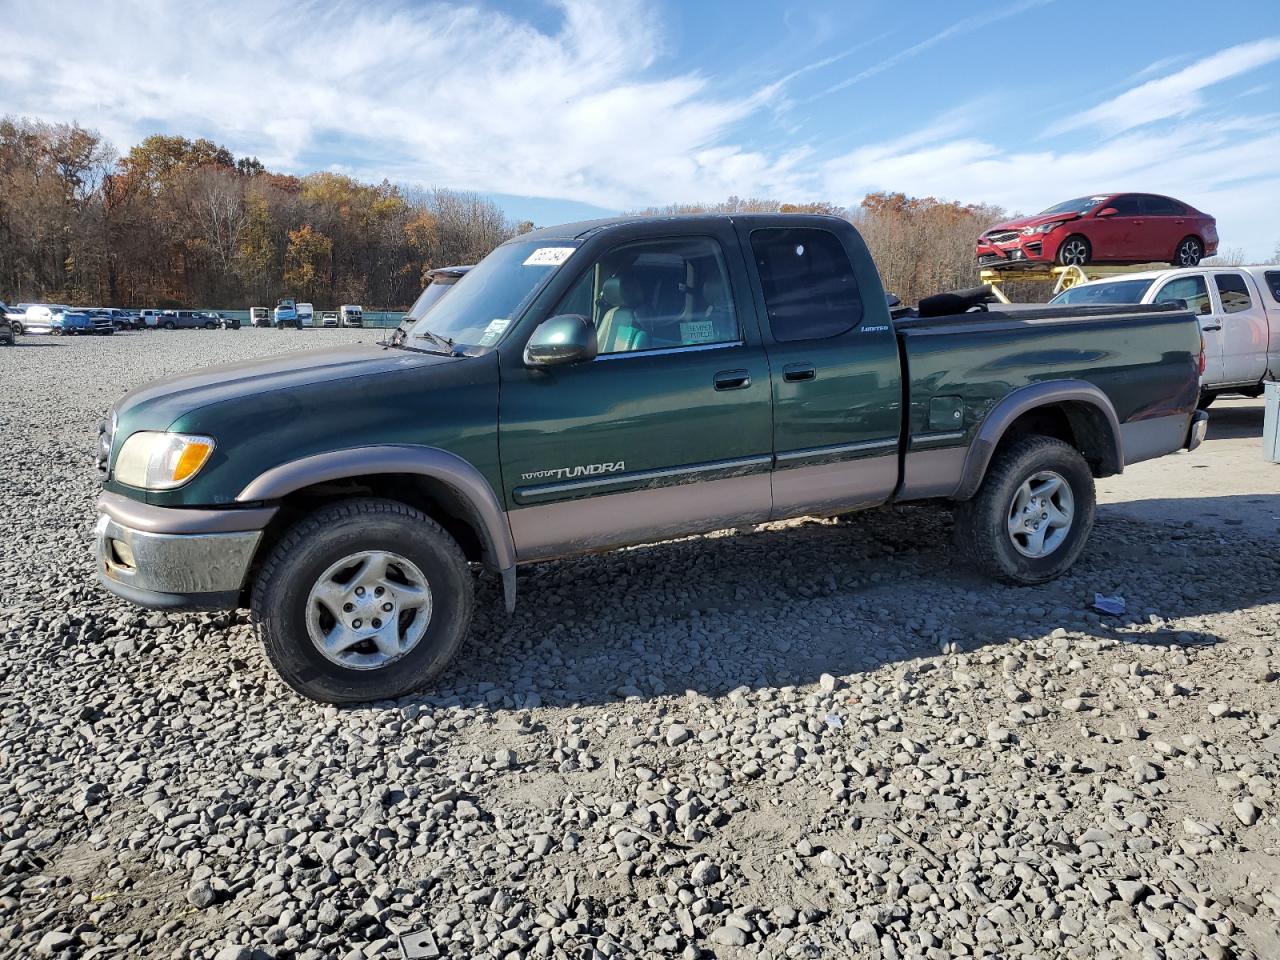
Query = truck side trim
x=447 y=467
x=1024 y=399
x=572 y=527
x=1154 y=437
x=666 y=476
x=834 y=486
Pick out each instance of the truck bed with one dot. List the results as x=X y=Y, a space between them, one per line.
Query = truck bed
x=1142 y=360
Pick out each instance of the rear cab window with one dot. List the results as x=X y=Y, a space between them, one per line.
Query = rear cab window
x=1233 y=292
x=810 y=290
x=1273 y=283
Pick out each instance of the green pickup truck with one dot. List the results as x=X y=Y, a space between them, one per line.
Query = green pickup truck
x=610 y=383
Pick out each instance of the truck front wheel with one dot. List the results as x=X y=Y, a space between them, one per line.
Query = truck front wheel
x=1032 y=515
x=363 y=600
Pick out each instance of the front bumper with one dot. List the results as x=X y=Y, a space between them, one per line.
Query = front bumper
x=1199 y=427
x=176 y=559
x=1022 y=250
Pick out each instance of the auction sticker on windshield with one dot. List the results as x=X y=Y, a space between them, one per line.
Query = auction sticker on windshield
x=493 y=331
x=548 y=257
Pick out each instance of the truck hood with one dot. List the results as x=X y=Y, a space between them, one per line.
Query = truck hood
x=1035 y=221
x=160 y=402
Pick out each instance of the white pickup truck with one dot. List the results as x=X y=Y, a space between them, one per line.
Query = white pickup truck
x=1239 y=310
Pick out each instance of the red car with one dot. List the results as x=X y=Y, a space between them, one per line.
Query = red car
x=1104 y=228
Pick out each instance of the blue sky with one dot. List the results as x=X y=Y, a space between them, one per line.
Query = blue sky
x=567 y=109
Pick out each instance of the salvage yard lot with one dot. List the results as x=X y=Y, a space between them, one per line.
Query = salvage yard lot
x=817 y=738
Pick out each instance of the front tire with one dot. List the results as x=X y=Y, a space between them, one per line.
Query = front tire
x=1074 y=251
x=1032 y=515
x=1206 y=400
x=1189 y=253
x=343 y=569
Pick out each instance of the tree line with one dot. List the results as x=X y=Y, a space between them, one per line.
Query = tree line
x=181 y=223
x=184 y=223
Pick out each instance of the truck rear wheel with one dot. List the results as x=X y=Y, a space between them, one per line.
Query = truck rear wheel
x=363 y=600
x=1033 y=513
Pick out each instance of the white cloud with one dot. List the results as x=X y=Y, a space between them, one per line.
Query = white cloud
x=447 y=94
x=1176 y=95
x=959 y=28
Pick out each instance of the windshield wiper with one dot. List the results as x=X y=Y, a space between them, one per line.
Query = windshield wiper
x=446 y=342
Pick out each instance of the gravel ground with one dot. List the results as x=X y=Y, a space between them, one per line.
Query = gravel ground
x=813 y=739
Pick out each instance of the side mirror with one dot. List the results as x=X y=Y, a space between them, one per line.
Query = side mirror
x=1107 y=212
x=561 y=340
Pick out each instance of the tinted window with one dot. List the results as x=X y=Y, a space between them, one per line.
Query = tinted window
x=810 y=291
x=1126 y=206
x=656 y=295
x=1162 y=206
x=1190 y=289
x=1273 y=282
x=1232 y=292
x=1119 y=291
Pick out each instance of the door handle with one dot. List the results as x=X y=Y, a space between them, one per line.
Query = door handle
x=797 y=372
x=732 y=380
x=1216 y=326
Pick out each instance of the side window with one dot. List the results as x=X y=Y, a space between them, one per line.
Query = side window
x=1161 y=206
x=1232 y=292
x=1273 y=282
x=1127 y=206
x=655 y=295
x=1191 y=289
x=810 y=291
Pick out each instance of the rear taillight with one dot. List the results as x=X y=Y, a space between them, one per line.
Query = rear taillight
x=1203 y=363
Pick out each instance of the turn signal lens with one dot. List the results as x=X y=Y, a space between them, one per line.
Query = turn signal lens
x=191 y=459
x=161 y=461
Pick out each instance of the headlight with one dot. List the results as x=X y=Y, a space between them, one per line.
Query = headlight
x=161 y=461
x=1043 y=228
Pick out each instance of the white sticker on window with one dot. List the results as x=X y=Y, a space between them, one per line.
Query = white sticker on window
x=697 y=331
x=493 y=331
x=548 y=256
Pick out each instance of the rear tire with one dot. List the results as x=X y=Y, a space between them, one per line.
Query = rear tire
x=170 y=325
x=1075 y=250
x=1034 y=484
x=1189 y=253
x=294 y=618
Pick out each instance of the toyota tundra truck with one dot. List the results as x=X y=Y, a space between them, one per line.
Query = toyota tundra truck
x=615 y=382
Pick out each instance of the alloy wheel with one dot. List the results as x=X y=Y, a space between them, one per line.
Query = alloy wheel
x=1075 y=253
x=368 y=610
x=1041 y=513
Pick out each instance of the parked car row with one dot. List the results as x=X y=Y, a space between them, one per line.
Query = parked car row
x=290 y=314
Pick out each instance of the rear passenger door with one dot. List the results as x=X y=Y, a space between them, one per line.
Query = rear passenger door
x=1244 y=328
x=1166 y=225
x=837 y=387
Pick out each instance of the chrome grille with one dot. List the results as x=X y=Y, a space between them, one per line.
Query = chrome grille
x=1002 y=236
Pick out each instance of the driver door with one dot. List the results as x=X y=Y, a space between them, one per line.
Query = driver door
x=668 y=430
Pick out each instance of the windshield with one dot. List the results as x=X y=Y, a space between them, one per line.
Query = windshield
x=1078 y=205
x=427 y=299
x=483 y=303
x=1119 y=291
